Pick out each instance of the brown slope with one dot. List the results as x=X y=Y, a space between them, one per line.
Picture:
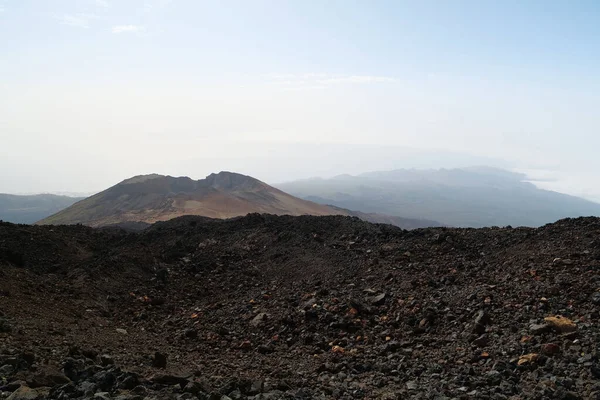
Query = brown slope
x=152 y=198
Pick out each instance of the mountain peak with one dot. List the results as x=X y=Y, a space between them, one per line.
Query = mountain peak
x=141 y=178
x=154 y=197
x=226 y=180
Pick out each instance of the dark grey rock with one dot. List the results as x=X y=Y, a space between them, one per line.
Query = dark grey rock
x=482 y=319
x=159 y=361
x=106 y=360
x=538 y=329
x=5 y=326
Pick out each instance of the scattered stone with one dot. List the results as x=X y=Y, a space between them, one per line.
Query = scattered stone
x=193 y=388
x=259 y=319
x=245 y=345
x=481 y=321
x=377 y=300
x=482 y=341
x=46 y=380
x=528 y=359
x=140 y=390
x=5 y=326
x=191 y=333
x=256 y=387
x=121 y=331
x=90 y=353
x=24 y=393
x=6 y=370
x=128 y=381
x=28 y=357
x=429 y=337
x=106 y=360
x=550 y=348
x=159 y=361
x=561 y=324
x=265 y=349
x=538 y=329
x=170 y=380
x=338 y=350
x=87 y=388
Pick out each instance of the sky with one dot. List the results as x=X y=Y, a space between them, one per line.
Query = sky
x=95 y=91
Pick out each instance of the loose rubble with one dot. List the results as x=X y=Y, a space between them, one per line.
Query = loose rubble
x=265 y=307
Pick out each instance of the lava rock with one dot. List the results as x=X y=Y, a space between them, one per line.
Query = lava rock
x=28 y=357
x=481 y=321
x=128 y=381
x=482 y=341
x=538 y=329
x=191 y=333
x=377 y=300
x=159 y=361
x=106 y=360
x=170 y=380
x=259 y=319
x=24 y=393
x=5 y=326
x=550 y=348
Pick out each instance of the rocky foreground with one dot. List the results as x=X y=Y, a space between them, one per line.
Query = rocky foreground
x=265 y=307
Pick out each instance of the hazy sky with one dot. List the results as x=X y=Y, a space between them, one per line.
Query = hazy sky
x=95 y=91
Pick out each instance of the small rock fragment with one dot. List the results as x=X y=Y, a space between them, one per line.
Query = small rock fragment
x=106 y=360
x=4 y=326
x=29 y=358
x=24 y=393
x=538 y=329
x=481 y=320
x=191 y=333
x=338 y=349
x=170 y=380
x=482 y=340
x=550 y=348
x=259 y=319
x=561 y=324
x=159 y=361
x=528 y=359
x=377 y=300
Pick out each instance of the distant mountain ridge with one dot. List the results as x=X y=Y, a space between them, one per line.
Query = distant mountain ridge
x=153 y=198
x=27 y=209
x=469 y=197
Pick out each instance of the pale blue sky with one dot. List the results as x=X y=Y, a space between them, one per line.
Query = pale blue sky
x=93 y=91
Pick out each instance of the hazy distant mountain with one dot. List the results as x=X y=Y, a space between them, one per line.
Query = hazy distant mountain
x=31 y=208
x=151 y=198
x=477 y=196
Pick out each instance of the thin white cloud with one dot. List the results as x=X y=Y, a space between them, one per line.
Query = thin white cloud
x=76 y=20
x=102 y=3
x=155 y=5
x=356 y=79
x=322 y=80
x=127 y=28
x=1 y=9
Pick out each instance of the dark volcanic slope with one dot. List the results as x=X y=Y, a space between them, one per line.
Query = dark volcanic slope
x=302 y=307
